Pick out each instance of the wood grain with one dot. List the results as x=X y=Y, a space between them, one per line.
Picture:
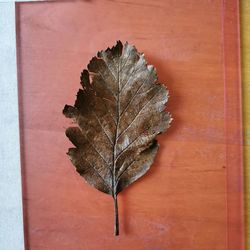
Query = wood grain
x=192 y=198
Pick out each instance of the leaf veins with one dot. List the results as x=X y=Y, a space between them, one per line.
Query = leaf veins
x=119 y=112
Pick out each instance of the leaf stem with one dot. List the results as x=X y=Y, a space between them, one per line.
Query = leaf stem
x=116 y=221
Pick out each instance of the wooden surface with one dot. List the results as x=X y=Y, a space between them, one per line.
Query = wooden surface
x=245 y=52
x=192 y=197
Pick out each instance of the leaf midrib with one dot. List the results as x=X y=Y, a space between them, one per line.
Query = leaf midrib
x=116 y=131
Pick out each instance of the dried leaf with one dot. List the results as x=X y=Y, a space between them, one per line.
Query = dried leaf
x=119 y=112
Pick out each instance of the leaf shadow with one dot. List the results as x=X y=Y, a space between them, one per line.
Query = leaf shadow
x=175 y=101
x=174 y=104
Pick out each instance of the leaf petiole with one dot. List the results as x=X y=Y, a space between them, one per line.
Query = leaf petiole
x=116 y=218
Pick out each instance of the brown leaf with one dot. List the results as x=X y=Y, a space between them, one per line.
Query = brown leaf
x=119 y=112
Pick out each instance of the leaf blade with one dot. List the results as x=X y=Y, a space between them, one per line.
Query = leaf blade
x=119 y=112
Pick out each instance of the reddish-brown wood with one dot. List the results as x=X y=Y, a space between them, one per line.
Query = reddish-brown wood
x=191 y=199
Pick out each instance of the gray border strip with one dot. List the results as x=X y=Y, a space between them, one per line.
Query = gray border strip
x=11 y=211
